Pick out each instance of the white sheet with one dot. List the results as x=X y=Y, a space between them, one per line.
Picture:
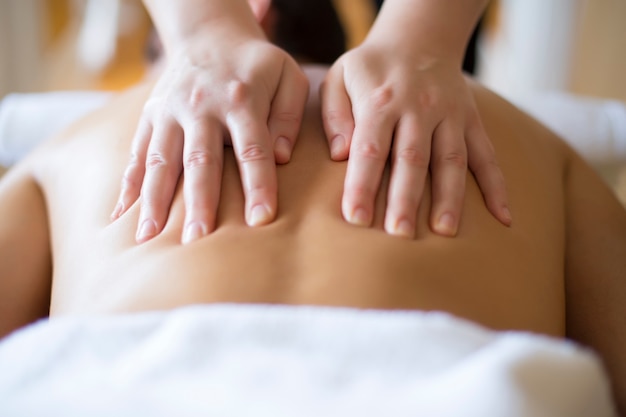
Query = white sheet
x=229 y=360
x=26 y=120
x=595 y=128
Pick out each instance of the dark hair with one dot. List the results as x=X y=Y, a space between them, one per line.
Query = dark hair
x=306 y=29
x=309 y=29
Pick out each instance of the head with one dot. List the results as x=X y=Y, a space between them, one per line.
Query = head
x=309 y=30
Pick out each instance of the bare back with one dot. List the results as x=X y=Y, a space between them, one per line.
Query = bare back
x=559 y=270
x=489 y=273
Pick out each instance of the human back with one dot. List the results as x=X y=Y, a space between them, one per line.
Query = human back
x=488 y=273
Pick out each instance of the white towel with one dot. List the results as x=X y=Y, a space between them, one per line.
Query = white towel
x=595 y=127
x=245 y=360
x=28 y=119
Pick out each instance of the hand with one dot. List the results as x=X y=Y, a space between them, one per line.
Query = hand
x=220 y=88
x=377 y=100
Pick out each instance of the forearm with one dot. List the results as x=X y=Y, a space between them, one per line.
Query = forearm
x=179 y=20
x=436 y=29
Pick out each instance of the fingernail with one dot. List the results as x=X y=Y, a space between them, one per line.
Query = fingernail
x=282 y=147
x=403 y=228
x=194 y=231
x=359 y=217
x=147 y=230
x=337 y=145
x=446 y=225
x=117 y=212
x=259 y=215
x=506 y=213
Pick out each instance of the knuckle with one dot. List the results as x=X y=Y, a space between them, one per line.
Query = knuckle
x=286 y=117
x=381 y=97
x=132 y=173
x=151 y=106
x=199 y=159
x=426 y=99
x=156 y=160
x=334 y=117
x=413 y=156
x=129 y=180
x=455 y=158
x=254 y=152
x=487 y=166
x=197 y=97
x=238 y=92
x=369 y=150
x=134 y=160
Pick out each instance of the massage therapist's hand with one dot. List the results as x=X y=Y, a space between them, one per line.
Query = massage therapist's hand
x=224 y=84
x=390 y=97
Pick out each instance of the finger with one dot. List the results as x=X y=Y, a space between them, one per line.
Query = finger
x=411 y=157
x=337 y=115
x=203 y=155
x=135 y=170
x=484 y=166
x=449 y=171
x=163 y=167
x=287 y=110
x=255 y=156
x=368 y=155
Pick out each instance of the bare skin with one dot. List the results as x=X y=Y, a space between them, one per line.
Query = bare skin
x=415 y=45
x=558 y=270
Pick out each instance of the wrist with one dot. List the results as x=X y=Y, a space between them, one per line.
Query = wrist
x=183 y=22
x=434 y=30
x=216 y=36
x=418 y=55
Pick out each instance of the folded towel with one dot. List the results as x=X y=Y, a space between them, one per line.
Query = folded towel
x=28 y=119
x=246 y=360
x=596 y=128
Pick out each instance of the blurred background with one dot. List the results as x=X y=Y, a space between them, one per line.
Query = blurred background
x=48 y=45
x=537 y=53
